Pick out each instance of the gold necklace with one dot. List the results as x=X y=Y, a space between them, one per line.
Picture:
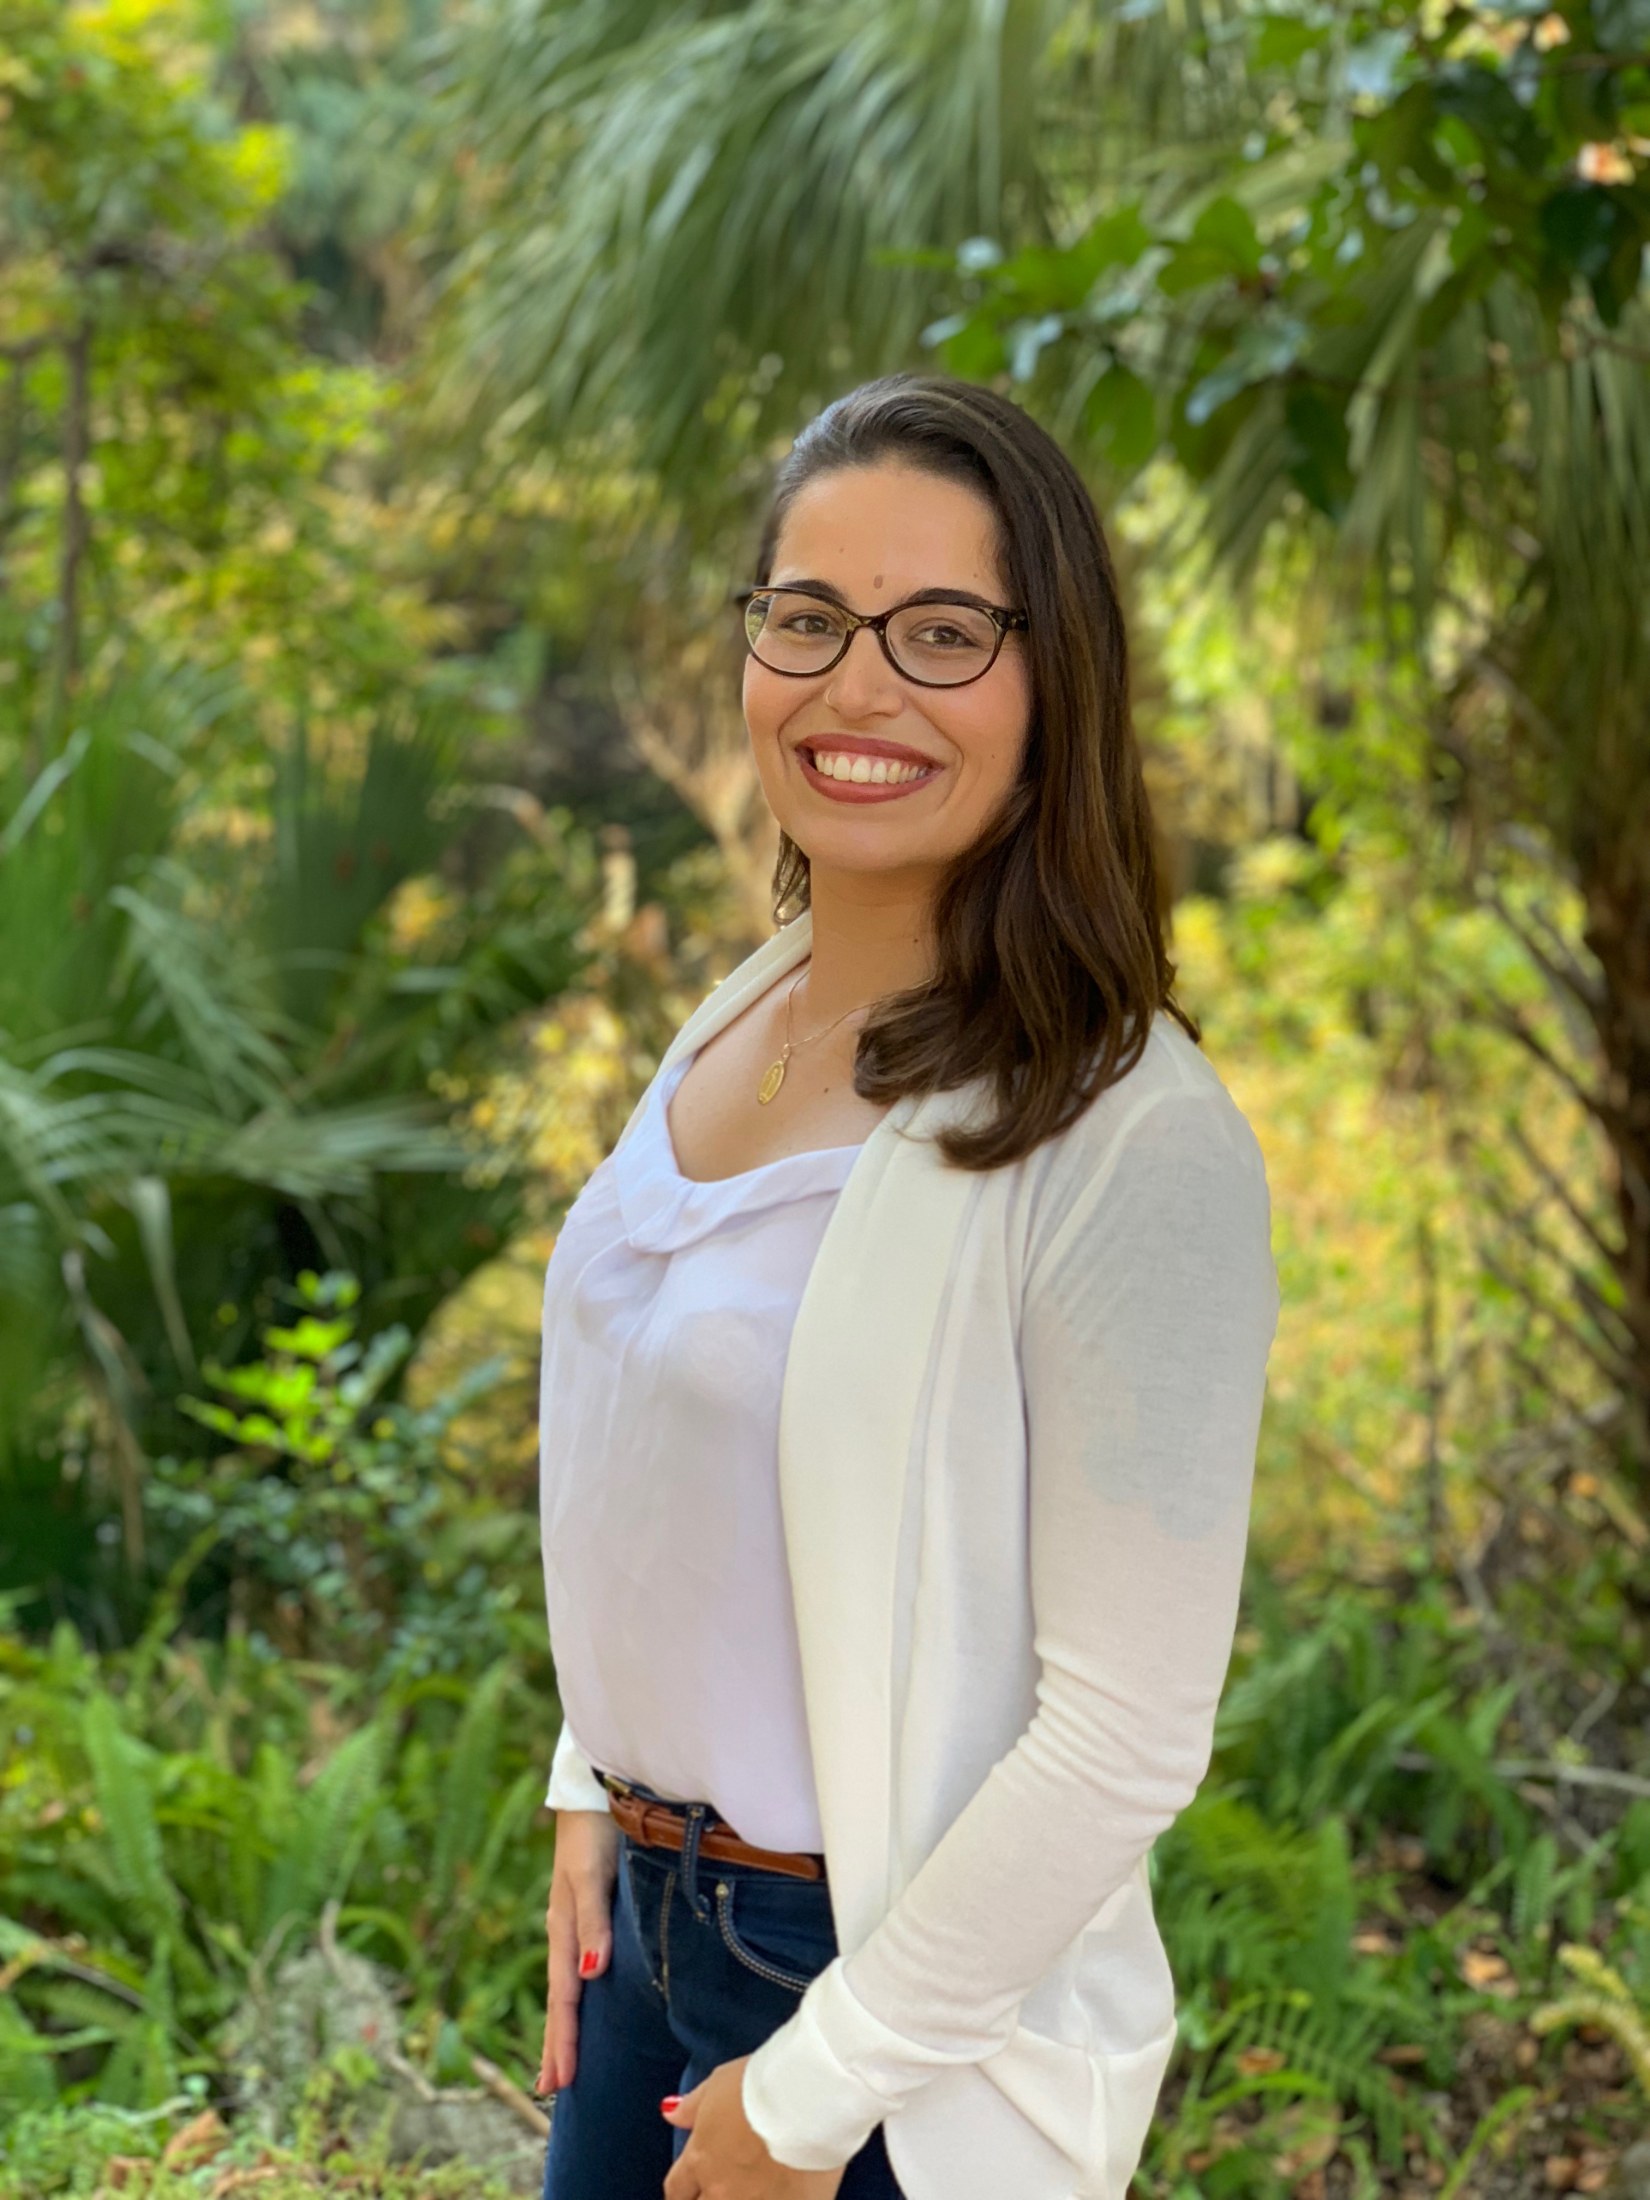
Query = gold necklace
x=774 y=1075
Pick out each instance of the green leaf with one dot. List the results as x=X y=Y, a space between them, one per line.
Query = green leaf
x=1190 y=266
x=1470 y=235
x=1318 y=444
x=1511 y=138
x=1269 y=345
x=130 y=1834
x=309 y=1339
x=1120 y=418
x=1399 y=138
x=1043 y=278
x=1117 y=239
x=1227 y=226
x=1280 y=40
x=323 y=1842
x=974 y=350
x=1584 y=228
x=451 y=2064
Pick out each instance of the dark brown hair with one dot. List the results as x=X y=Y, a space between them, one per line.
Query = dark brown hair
x=1050 y=961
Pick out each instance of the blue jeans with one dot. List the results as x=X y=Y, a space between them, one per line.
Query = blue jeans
x=708 y=1960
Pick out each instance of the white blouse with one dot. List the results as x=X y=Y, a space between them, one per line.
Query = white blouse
x=668 y=1311
x=1017 y=1440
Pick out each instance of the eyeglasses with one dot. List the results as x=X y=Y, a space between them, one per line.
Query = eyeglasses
x=937 y=641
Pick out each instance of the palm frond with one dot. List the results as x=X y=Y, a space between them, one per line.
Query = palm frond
x=314 y=1153
x=675 y=193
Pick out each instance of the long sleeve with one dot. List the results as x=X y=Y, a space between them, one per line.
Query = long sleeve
x=1147 y=1318
x=573 y=1783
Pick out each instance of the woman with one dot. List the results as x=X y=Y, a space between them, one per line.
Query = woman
x=902 y=1380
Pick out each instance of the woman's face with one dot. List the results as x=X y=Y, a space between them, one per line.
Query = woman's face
x=875 y=535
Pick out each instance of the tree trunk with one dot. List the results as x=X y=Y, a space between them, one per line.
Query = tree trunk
x=1617 y=894
x=76 y=443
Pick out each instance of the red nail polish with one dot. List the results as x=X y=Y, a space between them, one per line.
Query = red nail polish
x=670 y=2101
x=588 y=1962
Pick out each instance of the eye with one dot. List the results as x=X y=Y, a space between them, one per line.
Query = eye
x=942 y=634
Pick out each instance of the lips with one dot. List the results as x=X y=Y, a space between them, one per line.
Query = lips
x=863 y=790
x=866 y=744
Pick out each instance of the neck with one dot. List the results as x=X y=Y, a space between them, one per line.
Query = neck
x=871 y=936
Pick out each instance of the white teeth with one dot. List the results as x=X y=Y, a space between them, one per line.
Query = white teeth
x=863 y=770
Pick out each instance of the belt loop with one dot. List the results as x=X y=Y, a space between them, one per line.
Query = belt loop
x=696 y=1902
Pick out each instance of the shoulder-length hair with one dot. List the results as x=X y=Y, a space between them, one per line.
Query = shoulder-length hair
x=1050 y=960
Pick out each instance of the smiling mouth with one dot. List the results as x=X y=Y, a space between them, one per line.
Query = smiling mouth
x=865 y=771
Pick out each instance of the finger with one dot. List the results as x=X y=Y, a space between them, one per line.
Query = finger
x=562 y=2024
x=682 y=2109
x=683 y=2181
x=547 y=2066
x=594 y=1923
x=562 y=2002
x=564 y=2048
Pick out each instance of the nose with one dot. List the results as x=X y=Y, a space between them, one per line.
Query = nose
x=864 y=682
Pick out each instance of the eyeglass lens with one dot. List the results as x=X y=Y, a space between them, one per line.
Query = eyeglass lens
x=941 y=643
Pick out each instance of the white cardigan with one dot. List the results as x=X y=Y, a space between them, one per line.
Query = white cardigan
x=1017 y=1439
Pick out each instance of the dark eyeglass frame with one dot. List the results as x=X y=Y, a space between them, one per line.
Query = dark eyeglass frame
x=1005 y=621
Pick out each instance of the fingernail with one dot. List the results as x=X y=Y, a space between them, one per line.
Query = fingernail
x=671 y=2101
x=588 y=1962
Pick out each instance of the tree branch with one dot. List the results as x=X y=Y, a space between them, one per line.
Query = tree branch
x=1506 y=1018
x=1610 y=1254
x=1561 y=970
x=19 y=355
x=1619 y=1373
x=1524 y=1222
x=1524 y=1768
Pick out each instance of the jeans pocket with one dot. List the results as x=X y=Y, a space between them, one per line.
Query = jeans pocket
x=644 y=1888
x=781 y=1929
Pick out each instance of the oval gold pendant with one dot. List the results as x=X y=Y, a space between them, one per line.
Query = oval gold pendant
x=771 y=1082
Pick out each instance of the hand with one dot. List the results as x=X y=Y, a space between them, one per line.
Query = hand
x=725 y=2159
x=578 y=1925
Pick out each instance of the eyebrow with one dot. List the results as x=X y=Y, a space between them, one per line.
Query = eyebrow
x=922 y=595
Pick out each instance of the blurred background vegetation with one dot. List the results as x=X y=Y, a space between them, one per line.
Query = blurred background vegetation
x=387 y=393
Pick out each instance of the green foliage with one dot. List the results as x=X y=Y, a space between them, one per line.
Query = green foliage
x=106 y=145
x=1402 y=296
x=1302 y=1965
x=163 y=1842
x=644 y=245
x=1601 y=1998
x=269 y=887
x=226 y=747
x=331 y=1524
x=57 y=2153
x=223 y=1052
x=137 y=284
x=1401 y=183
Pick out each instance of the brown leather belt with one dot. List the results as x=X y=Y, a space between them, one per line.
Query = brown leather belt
x=664 y=1826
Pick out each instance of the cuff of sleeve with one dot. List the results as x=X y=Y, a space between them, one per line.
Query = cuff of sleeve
x=573 y=1783
x=816 y=2089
